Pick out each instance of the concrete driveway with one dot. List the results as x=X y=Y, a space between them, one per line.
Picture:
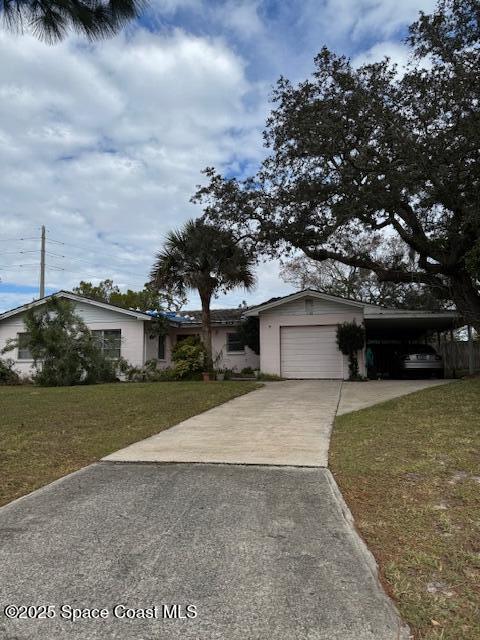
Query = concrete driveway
x=264 y=553
x=359 y=395
x=284 y=423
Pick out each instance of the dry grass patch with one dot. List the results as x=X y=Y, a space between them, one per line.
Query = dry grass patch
x=47 y=433
x=410 y=471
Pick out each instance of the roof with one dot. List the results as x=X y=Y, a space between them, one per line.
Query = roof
x=276 y=302
x=218 y=316
x=372 y=312
x=75 y=297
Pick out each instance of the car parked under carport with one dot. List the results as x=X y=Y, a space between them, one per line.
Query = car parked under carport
x=405 y=343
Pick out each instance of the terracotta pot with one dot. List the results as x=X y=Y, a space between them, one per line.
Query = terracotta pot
x=206 y=376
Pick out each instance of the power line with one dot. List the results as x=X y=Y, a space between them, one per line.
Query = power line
x=17 y=239
x=16 y=253
x=112 y=257
x=27 y=264
x=118 y=269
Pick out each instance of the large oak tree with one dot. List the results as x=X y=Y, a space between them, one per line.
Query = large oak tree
x=371 y=152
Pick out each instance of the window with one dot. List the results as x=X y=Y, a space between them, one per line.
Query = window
x=23 y=350
x=109 y=341
x=161 y=348
x=235 y=343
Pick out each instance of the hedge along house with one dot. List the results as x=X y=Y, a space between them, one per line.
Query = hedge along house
x=298 y=332
x=129 y=333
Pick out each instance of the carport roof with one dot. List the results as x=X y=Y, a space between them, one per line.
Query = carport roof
x=411 y=318
x=375 y=315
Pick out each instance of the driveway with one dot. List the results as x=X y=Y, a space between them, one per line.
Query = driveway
x=359 y=395
x=264 y=553
x=284 y=423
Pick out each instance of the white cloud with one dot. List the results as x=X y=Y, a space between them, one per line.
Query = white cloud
x=104 y=145
x=359 y=20
x=397 y=53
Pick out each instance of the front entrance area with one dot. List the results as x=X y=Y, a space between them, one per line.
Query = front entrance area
x=310 y=352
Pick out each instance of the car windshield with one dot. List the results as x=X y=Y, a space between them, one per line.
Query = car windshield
x=419 y=348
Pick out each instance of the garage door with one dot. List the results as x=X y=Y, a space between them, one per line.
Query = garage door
x=310 y=352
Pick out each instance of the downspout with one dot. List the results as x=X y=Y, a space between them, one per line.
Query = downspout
x=144 y=357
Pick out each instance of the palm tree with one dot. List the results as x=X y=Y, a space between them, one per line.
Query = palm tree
x=51 y=20
x=204 y=258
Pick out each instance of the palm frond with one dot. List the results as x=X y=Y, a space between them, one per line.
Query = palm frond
x=200 y=256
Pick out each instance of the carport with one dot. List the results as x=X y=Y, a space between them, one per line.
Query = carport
x=389 y=329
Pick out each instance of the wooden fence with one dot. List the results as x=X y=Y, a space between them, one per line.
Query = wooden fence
x=456 y=357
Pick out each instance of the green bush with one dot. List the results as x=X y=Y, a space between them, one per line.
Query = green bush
x=8 y=375
x=249 y=331
x=148 y=373
x=63 y=349
x=350 y=339
x=189 y=356
x=247 y=371
x=269 y=377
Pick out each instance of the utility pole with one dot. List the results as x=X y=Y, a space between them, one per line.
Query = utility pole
x=42 y=264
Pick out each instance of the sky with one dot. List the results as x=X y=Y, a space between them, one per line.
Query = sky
x=104 y=143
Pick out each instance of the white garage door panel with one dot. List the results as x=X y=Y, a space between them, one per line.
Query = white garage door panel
x=310 y=352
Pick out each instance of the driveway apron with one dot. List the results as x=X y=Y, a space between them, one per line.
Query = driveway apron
x=263 y=553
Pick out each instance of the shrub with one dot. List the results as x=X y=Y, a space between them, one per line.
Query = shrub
x=189 y=356
x=247 y=371
x=8 y=375
x=63 y=349
x=148 y=373
x=269 y=377
x=350 y=339
x=249 y=331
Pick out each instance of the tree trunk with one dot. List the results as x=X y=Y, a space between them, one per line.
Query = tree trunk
x=467 y=298
x=207 y=330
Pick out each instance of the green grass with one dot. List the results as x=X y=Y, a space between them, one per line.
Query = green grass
x=49 y=432
x=410 y=471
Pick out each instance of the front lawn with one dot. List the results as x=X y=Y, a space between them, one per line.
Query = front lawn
x=48 y=432
x=410 y=471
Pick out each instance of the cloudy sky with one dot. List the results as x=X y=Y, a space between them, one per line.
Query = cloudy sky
x=104 y=143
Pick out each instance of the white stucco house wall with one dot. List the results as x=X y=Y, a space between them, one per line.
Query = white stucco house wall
x=297 y=333
x=127 y=333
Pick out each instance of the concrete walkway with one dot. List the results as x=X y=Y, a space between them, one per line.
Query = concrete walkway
x=284 y=423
